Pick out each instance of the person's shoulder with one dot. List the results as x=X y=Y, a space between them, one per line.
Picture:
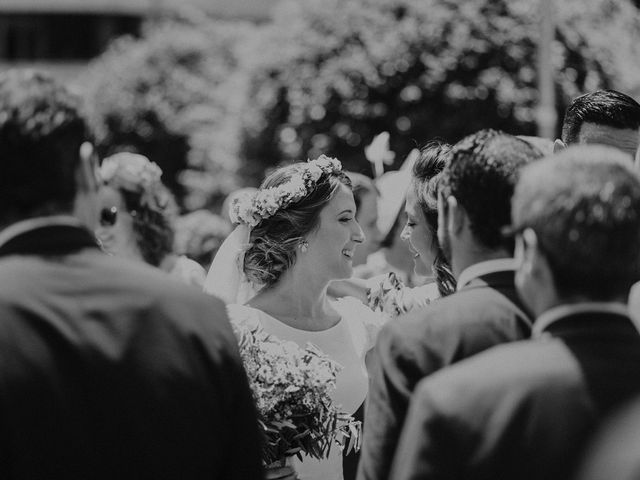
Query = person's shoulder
x=464 y=310
x=138 y=286
x=450 y=313
x=518 y=370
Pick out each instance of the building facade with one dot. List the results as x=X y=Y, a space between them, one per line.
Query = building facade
x=64 y=35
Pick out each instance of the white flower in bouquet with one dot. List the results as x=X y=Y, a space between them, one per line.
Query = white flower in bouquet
x=291 y=387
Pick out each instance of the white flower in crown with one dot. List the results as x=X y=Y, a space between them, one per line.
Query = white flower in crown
x=130 y=171
x=251 y=209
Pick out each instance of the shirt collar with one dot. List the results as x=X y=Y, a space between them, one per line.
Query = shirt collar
x=23 y=226
x=483 y=268
x=556 y=313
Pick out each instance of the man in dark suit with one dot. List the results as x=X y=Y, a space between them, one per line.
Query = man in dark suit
x=473 y=207
x=107 y=369
x=525 y=410
x=613 y=454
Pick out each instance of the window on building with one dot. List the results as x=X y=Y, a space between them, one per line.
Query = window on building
x=25 y=37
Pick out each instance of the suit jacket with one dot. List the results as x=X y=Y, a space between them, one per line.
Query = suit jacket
x=484 y=313
x=523 y=410
x=115 y=370
x=614 y=450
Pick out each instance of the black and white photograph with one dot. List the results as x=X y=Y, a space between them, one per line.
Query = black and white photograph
x=320 y=239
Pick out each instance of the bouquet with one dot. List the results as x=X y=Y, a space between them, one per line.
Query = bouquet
x=291 y=387
x=386 y=295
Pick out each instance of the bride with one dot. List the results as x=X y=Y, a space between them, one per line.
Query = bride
x=296 y=234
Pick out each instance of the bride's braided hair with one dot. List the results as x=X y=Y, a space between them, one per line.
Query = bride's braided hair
x=274 y=241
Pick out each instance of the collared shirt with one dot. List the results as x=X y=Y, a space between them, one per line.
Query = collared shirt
x=23 y=226
x=556 y=313
x=483 y=268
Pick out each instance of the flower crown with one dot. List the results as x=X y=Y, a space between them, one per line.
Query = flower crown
x=130 y=171
x=136 y=173
x=251 y=209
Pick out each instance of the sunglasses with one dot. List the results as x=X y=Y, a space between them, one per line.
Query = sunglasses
x=108 y=216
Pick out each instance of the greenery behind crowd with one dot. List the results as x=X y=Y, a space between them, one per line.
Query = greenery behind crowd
x=217 y=103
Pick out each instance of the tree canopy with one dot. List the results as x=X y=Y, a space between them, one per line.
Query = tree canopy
x=170 y=95
x=331 y=74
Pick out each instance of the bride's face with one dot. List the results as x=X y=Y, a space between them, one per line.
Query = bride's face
x=332 y=245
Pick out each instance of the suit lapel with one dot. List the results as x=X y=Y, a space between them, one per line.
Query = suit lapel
x=49 y=240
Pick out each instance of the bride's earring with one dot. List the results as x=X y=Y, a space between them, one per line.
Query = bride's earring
x=303 y=246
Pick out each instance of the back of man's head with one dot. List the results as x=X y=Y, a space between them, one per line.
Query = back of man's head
x=41 y=131
x=604 y=108
x=584 y=206
x=482 y=173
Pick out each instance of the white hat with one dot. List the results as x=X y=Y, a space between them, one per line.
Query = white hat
x=393 y=188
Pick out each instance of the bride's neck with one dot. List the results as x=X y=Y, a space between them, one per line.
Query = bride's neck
x=297 y=303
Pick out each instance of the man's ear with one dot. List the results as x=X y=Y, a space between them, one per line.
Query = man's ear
x=558 y=145
x=457 y=215
x=87 y=185
x=87 y=177
x=534 y=263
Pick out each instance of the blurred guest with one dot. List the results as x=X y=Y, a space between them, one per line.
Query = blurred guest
x=473 y=206
x=613 y=454
x=366 y=196
x=108 y=369
x=138 y=214
x=199 y=234
x=526 y=410
x=604 y=117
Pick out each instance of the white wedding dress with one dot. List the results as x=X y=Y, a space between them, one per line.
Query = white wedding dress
x=346 y=343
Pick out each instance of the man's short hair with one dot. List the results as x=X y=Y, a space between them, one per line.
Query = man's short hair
x=41 y=131
x=604 y=107
x=481 y=175
x=584 y=206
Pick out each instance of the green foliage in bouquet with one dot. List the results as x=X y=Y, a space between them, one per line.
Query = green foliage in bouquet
x=291 y=387
x=331 y=74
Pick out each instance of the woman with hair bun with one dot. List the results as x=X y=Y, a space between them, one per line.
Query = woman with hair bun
x=296 y=234
x=137 y=216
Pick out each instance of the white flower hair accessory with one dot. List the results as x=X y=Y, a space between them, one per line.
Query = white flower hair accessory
x=130 y=171
x=251 y=209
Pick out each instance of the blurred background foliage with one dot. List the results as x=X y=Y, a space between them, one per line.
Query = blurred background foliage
x=216 y=103
x=173 y=95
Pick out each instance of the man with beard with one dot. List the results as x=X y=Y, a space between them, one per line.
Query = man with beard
x=473 y=208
